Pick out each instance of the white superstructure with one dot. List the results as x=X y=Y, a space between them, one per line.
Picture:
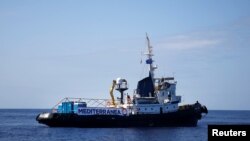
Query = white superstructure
x=153 y=95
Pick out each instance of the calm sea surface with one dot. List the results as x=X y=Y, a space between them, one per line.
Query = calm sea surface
x=20 y=125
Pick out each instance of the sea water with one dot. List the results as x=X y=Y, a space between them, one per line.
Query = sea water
x=20 y=125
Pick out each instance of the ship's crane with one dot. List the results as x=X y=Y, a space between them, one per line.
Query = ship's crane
x=111 y=93
x=120 y=85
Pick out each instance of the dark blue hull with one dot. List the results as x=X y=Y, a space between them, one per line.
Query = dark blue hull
x=184 y=117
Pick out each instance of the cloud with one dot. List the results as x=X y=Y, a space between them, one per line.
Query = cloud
x=187 y=42
x=230 y=35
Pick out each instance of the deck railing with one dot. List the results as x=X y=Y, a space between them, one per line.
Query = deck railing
x=91 y=102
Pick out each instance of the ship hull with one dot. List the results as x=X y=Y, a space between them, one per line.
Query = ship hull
x=179 y=118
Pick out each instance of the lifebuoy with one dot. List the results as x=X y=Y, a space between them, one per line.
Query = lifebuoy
x=124 y=111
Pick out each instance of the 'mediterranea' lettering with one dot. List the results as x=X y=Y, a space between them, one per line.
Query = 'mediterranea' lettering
x=99 y=111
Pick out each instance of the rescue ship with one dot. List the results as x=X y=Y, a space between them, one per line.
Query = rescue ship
x=154 y=104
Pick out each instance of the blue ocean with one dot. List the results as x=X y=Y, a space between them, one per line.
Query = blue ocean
x=20 y=125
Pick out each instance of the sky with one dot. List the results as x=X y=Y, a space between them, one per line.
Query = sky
x=55 y=49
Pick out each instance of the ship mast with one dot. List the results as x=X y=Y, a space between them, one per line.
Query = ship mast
x=149 y=60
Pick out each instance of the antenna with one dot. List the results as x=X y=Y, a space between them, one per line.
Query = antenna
x=149 y=60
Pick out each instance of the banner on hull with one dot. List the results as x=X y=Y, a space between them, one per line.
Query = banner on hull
x=101 y=111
